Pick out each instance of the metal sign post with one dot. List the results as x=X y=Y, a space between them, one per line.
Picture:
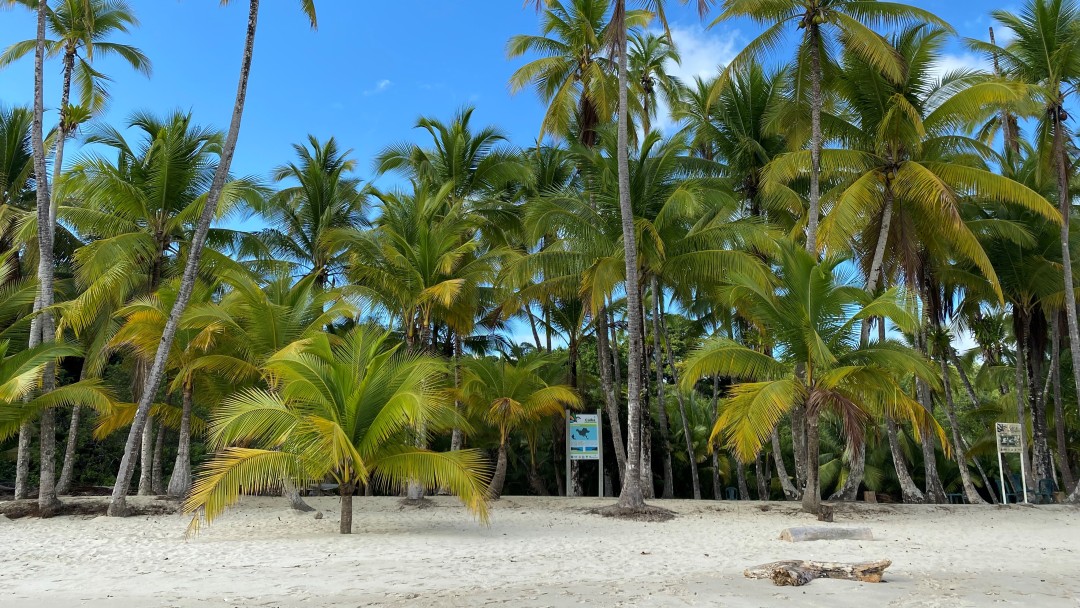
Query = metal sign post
x=1009 y=441
x=584 y=441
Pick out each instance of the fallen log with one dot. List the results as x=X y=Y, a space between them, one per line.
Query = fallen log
x=796 y=573
x=798 y=535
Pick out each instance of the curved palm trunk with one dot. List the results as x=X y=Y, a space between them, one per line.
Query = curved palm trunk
x=934 y=491
x=790 y=491
x=959 y=445
x=661 y=401
x=67 y=471
x=909 y=492
x=47 y=502
x=498 y=479
x=180 y=481
x=64 y=130
x=611 y=402
x=118 y=502
x=1059 y=403
x=157 y=474
x=146 y=458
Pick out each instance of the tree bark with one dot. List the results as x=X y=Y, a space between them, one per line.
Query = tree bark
x=118 y=502
x=289 y=491
x=180 y=481
x=813 y=34
x=495 y=486
x=718 y=492
x=67 y=471
x=909 y=492
x=48 y=504
x=740 y=475
x=811 y=498
x=346 y=490
x=761 y=476
x=934 y=491
x=790 y=491
x=611 y=401
x=687 y=435
x=157 y=486
x=1021 y=404
x=146 y=458
x=22 y=462
x=661 y=401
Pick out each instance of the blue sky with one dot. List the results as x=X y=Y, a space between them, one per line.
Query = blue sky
x=366 y=74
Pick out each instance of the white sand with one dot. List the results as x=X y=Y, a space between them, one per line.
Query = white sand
x=536 y=552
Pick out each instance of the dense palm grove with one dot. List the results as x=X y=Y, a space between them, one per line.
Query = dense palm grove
x=826 y=279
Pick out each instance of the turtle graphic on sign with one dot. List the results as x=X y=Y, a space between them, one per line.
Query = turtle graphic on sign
x=584 y=436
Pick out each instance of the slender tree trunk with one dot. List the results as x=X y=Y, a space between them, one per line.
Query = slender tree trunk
x=1022 y=389
x=457 y=438
x=67 y=471
x=761 y=466
x=811 y=498
x=180 y=482
x=687 y=435
x=798 y=445
x=790 y=491
x=648 y=483
x=740 y=475
x=64 y=128
x=909 y=492
x=989 y=485
x=48 y=504
x=959 y=445
x=118 y=502
x=495 y=486
x=718 y=492
x=157 y=484
x=146 y=458
x=631 y=496
x=661 y=401
x=1059 y=403
x=611 y=400
x=813 y=34
x=289 y=491
x=346 y=490
x=22 y=462
x=934 y=491
x=532 y=326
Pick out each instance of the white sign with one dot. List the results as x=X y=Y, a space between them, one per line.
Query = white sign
x=584 y=432
x=1008 y=437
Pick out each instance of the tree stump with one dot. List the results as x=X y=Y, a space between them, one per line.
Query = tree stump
x=796 y=573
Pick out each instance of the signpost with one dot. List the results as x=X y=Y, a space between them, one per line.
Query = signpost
x=584 y=441
x=1009 y=442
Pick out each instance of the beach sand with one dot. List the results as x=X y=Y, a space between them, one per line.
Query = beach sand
x=536 y=552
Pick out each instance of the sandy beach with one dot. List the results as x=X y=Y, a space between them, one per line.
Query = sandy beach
x=536 y=552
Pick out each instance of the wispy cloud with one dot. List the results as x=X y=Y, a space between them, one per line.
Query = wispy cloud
x=703 y=53
x=379 y=87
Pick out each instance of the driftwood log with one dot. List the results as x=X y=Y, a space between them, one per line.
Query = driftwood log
x=796 y=573
x=802 y=534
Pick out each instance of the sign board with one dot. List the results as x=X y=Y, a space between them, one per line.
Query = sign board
x=1008 y=438
x=584 y=433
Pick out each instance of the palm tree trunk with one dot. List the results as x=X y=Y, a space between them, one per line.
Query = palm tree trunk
x=909 y=492
x=146 y=458
x=498 y=479
x=687 y=435
x=22 y=462
x=718 y=492
x=934 y=491
x=180 y=481
x=1021 y=402
x=816 y=139
x=740 y=475
x=648 y=483
x=457 y=437
x=761 y=466
x=959 y=445
x=118 y=502
x=811 y=498
x=1059 y=403
x=631 y=496
x=790 y=491
x=661 y=402
x=157 y=475
x=346 y=490
x=48 y=504
x=64 y=129
x=611 y=403
x=67 y=471
x=289 y=491
x=989 y=485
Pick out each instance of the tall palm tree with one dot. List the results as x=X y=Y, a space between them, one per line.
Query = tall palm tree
x=509 y=395
x=1041 y=25
x=824 y=23
x=117 y=503
x=304 y=216
x=356 y=433
x=650 y=57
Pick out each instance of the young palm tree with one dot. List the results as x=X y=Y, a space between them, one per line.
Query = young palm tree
x=16 y=171
x=817 y=361
x=510 y=395
x=356 y=433
x=650 y=56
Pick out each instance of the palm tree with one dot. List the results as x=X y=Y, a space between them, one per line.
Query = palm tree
x=81 y=29
x=117 y=504
x=1042 y=25
x=16 y=172
x=356 y=433
x=817 y=362
x=304 y=217
x=510 y=395
x=649 y=58
x=824 y=23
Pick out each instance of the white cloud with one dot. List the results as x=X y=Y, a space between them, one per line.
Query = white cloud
x=703 y=53
x=965 y=61
x=380 y=86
